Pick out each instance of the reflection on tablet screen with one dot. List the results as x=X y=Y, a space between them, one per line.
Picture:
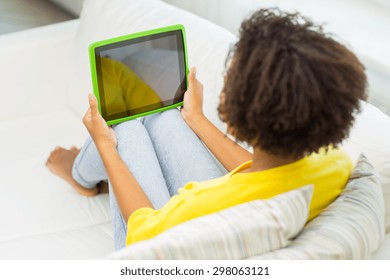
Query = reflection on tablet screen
x=140 y=74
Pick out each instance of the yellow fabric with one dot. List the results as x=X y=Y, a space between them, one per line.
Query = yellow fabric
x=328 y=172
x=124 y=90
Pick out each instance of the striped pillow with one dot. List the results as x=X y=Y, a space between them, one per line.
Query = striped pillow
x=352 y=227
x=238 y=232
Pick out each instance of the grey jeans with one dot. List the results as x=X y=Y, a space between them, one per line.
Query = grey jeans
x=163 y=154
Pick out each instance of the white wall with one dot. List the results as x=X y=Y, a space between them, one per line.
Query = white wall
x=384 y=3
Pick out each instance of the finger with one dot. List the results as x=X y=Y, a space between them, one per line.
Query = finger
x=200 y=86
x=192 y=77
x=87 y=117
x=93 y=104
x=87 y=114
x=74 y=148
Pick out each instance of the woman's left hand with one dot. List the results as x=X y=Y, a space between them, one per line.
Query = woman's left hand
x=100 y=133
x=193 y=100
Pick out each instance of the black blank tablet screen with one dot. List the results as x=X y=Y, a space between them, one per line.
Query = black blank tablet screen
x=141 y=74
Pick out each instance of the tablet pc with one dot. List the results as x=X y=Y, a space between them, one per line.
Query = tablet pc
x=139 y=74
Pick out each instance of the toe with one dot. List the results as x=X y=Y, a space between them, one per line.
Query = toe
x=59 y=149
x=75 y=149
x=56 y=149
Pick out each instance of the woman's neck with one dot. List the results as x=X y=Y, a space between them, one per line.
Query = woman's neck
x=262 y=161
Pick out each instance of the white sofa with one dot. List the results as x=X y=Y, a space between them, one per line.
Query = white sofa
x=41 y=216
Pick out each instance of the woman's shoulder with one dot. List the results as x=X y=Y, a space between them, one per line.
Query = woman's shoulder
x=330 y=154
x=332 y=158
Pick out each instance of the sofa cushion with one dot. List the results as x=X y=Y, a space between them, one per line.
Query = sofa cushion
x=41 y=215
x=352 y=227
x=371 y=135
x=207 y=43
x=239 y=232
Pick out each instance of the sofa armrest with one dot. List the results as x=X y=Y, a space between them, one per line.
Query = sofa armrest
x=35 y=69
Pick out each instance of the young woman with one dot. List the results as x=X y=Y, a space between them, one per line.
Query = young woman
x=290 y=91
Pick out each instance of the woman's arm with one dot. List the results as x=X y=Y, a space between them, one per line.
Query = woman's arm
x=229 y=153
x=127 y=191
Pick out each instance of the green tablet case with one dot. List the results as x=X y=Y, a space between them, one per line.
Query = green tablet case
x=92 y=57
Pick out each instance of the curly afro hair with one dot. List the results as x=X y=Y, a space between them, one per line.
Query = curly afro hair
x=290 y=89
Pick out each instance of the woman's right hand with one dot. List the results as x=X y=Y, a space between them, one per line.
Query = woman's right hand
x=193 y=100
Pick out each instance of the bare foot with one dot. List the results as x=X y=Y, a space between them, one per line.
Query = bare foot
x=60 y=162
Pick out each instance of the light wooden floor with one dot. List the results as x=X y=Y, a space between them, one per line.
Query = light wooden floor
x=17 y=15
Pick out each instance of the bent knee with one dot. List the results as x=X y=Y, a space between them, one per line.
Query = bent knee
x=127 y=128
x=169 y=117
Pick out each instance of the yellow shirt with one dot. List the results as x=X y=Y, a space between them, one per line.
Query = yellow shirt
x=124 y=89
x=328 y=172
